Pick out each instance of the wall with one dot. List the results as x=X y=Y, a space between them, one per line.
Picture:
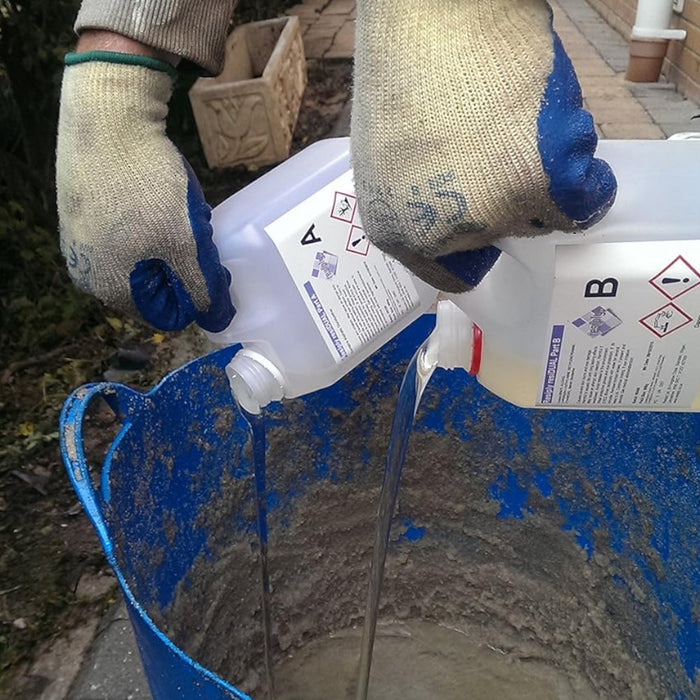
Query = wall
x=682 y=65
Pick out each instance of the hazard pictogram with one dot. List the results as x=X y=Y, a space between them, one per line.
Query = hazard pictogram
x=344 y=206
x=357 y=241
x=676 y=278
x=665 y=320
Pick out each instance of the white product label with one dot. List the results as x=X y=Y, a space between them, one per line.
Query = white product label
x=624 y=327
x=351 y=289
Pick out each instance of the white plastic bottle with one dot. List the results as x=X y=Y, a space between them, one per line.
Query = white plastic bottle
x=609 y=318
x=313 y=298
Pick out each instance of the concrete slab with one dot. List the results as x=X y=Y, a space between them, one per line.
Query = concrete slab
x=670 y=128
x=316 y=45
x=340 y=7
x=622 y=108
x=343 y=44
x=302 y=10
x=670 y=111
x=329 y=31
x=56 y=669
x=112 y=670
x=633 y=130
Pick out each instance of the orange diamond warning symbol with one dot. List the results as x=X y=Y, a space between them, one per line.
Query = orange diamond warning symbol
x=665 y=320
x=676 y=278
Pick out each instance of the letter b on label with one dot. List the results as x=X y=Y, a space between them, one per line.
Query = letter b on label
x=601 y=288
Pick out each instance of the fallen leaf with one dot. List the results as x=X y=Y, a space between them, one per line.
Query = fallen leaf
x=114 y=322
x=25 y=429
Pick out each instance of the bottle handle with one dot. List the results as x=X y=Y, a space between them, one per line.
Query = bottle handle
x=125 y=403
x=504 y=297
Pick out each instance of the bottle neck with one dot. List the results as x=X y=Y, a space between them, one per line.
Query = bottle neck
x=456 y=341
x=255 y=381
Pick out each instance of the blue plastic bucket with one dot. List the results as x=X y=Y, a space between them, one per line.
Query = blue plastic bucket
x=575 y=530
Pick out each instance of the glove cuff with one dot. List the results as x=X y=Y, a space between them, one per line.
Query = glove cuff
x=128 y=59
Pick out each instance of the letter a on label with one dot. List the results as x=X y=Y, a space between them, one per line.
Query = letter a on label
x=309 y=237
x=601 y=288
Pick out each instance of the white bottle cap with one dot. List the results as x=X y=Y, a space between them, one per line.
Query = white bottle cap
x=255 y=381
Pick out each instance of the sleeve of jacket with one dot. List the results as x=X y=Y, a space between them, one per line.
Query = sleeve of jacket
x=193 y=29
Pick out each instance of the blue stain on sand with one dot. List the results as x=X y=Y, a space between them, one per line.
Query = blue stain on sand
x=512 y=496
x=508 y=491
x=411 y=533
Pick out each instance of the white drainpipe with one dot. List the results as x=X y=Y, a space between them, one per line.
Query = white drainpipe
x=653 y=20
x=649 y=41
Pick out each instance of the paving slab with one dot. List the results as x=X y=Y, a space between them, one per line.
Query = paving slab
x=328 y=28
x=620 y=109
x=343 y=42
x=112 y=670
x=632 y=130
x=56 y=668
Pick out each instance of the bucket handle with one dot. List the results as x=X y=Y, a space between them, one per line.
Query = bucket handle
x=124 y=402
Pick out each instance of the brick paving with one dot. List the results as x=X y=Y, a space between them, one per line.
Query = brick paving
x=621 y=110
x=328 y=27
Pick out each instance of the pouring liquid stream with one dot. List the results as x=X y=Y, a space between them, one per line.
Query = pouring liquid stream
x=415 y=380
x=413 y=385
x=256 y=422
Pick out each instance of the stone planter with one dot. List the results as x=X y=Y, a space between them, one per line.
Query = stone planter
x=246 y=115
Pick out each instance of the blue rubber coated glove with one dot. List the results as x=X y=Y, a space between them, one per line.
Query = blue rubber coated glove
x=135 y=227
x=467 y=127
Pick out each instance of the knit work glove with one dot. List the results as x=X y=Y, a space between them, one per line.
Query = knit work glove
x=468 y=126
x=134 y=224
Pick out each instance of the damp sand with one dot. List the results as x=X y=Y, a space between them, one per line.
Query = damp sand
x=421 y=661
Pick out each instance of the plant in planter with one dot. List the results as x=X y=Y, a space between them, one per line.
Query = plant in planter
x=246 y=115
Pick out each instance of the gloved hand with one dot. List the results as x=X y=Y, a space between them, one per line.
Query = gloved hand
x=135 y=228
x=468 y=126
